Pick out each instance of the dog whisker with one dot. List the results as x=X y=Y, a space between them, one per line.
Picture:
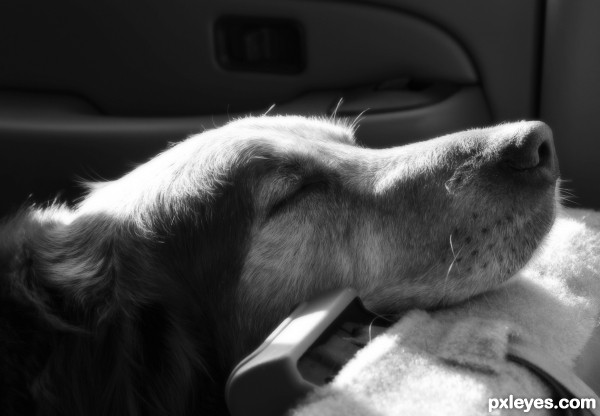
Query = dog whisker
x=455 y=256
x=356 y=122
x=565 y=195
x=269 y=109
x=336 y=108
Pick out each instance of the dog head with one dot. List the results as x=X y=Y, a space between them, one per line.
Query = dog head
x=421 y=225
x=229 y=229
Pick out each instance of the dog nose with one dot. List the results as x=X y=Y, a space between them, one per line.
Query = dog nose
x=532 y=152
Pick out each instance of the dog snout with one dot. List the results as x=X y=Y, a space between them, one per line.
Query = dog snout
x=531 y=154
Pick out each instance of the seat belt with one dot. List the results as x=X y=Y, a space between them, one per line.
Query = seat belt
x=561 y=379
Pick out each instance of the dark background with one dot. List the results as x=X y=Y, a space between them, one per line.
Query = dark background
x=89 y=89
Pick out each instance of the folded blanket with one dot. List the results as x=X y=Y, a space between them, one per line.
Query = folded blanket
x=452 y=361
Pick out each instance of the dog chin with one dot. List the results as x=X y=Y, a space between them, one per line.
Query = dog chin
x=493 y=257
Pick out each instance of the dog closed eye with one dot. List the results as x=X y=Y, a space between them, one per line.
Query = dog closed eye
x=304 y=189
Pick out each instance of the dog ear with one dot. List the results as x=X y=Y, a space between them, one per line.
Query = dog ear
x=20 y=285
x=93 y=299
x=27 y=319
x=129 y=292
x=71 y=330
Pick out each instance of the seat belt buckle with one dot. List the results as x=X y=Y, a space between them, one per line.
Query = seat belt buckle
x=269 y=382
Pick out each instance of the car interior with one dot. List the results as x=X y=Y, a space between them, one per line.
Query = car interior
x=90 y=90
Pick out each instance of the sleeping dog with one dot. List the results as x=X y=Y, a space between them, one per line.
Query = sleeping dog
x=141 y=298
